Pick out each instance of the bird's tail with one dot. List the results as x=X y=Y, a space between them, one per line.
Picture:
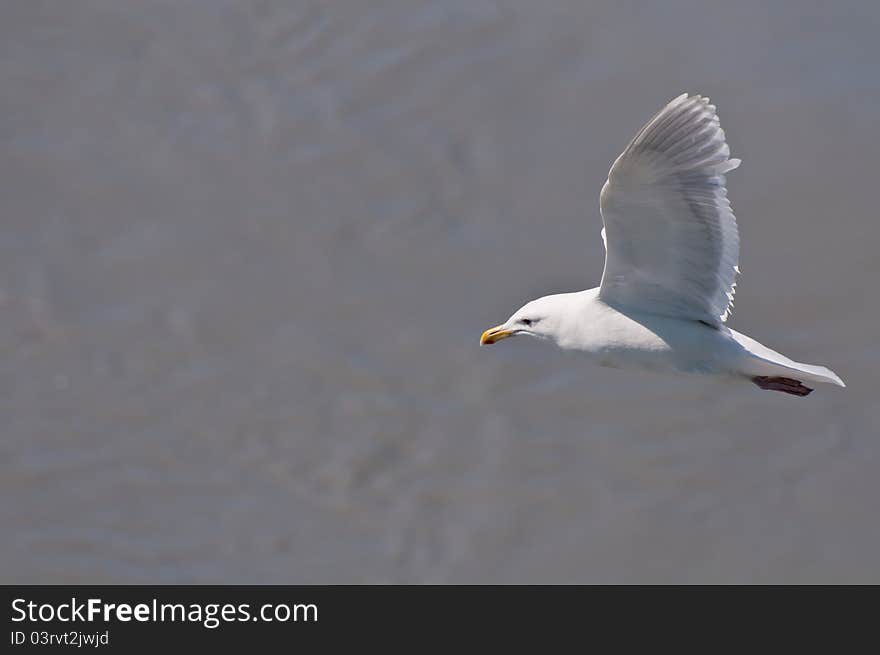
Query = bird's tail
x=767 y=362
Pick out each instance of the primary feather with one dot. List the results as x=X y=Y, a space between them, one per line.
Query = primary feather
x=672 y=245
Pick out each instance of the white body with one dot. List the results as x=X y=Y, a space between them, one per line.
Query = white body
x=667 y=345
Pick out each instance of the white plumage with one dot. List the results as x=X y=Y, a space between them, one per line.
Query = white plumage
x=671 y=238
x=672 y=252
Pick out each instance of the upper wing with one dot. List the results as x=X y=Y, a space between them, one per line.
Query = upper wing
x=671 y=241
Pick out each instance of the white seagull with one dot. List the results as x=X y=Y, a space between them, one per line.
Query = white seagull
x=672 y=250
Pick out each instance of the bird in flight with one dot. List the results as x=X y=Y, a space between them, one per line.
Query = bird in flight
x=671 y=261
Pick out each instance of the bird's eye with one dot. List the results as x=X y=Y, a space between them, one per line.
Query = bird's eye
x=526 y=321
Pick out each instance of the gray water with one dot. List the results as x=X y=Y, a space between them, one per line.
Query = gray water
x=247 y=250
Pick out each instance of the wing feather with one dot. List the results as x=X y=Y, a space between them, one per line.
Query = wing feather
x=671 y=240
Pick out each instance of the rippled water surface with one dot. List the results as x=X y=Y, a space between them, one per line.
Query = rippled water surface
x=247 y=250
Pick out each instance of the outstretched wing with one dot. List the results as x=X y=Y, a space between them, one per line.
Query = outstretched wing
x=671 y=241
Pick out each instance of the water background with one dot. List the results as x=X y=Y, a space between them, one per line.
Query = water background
x=247 y=250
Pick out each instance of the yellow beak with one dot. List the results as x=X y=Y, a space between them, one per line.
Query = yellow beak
x=494 y=334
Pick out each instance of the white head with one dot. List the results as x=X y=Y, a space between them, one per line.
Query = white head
x=544 y=318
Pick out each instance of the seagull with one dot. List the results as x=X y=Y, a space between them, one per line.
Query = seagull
x=671 y=261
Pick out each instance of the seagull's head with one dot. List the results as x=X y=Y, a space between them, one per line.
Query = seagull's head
x=542 y=318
